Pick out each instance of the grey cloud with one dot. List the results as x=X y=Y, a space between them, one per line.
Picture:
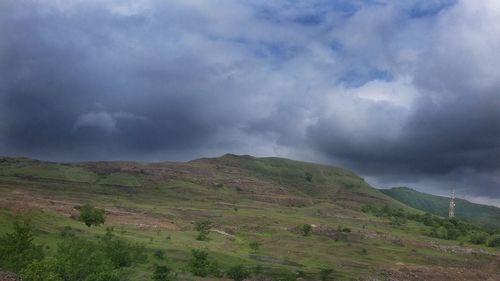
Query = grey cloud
x=400 y=92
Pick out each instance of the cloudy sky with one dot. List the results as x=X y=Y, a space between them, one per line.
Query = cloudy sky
x=402 y=92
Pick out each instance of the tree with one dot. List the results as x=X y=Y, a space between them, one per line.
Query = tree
x=306 y=229
x=17 y=249
x=254 y=245
x=203 y=228
x=238 y=273
x=161 y=273
x=91 y=216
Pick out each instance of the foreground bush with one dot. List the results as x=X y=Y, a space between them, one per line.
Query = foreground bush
x=17 y=249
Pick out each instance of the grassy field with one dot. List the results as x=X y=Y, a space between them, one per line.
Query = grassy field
x=247 y=199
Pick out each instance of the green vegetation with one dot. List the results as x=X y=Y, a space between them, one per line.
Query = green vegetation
x=254 y=245
x=203 y=227
x=153 y=222
x=306 y=229
x=91 y=216
x=161 y=273
x=485 y=216
x=17 y=249
x=238 y=273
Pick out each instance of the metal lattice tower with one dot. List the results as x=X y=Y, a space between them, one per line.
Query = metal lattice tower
x=451 y=212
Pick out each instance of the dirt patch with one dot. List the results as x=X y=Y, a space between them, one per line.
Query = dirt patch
x=9 y=276
x=437 y=273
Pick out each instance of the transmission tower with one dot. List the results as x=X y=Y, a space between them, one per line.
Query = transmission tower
x=451 y=212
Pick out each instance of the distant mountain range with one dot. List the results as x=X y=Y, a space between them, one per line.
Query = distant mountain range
x=487 y=216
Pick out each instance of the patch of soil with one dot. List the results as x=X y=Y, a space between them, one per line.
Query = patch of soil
x=438 y=273
x=8 y=276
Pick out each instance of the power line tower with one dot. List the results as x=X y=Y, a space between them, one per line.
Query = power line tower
x=451 y=211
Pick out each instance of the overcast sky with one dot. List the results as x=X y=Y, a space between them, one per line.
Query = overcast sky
x=402 y=92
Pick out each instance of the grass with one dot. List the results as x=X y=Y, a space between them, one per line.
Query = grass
x=211 y=188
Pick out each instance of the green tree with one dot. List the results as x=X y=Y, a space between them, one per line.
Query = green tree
x=91 y=216
x=17 y=249
x=238 y=273
x=161 y=273
x=203 y=228
x=306 y=229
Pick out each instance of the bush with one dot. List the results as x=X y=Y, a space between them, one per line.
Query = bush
x=44 y=270
x=326 y=274
x=494 y=241
x=91 y=216
x=120 y=252
x=17 y=249
x=308 y=176
x=478 y=238
x=79 y=259
x=254 y=245
x=203 y=228
x=161 y=273
x=160 y=254
x=199 y=263
x=306 y=229
x=238 y=273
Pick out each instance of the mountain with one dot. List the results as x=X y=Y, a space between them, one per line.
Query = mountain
x=264 y=201
x=486 y=216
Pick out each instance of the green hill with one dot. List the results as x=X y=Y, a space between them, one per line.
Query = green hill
x=487 y=216
x=247 y=200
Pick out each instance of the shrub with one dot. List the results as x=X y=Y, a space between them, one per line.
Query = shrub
x=199 y=264
x=203 y=228
x=161 y=273
x=43 y=270
x=91 y=216
x=254 y=245
x=79 y=259
x=326 y=274
x=308 y=176
x=494 y=241
x=238 y=273
x=17 y=249
x=160 y=254
x=478 y=238
x=306 y=229
x=120 y=252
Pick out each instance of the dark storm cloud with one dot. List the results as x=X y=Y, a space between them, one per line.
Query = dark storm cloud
x=405 y=93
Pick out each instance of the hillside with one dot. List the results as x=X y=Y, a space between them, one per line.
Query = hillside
x=487 y=216
x=247 y=199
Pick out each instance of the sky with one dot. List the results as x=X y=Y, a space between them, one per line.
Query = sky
x=405 y=93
